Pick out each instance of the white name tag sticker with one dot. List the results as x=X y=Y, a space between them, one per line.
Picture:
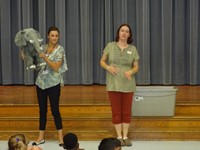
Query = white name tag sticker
x=139 y=98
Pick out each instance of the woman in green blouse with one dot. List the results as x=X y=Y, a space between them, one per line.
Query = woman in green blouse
x=120 y=60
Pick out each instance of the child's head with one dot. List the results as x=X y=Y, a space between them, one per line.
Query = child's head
x=18 y=142
x=109 y=144
x=70 y=141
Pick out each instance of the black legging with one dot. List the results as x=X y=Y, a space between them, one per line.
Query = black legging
x=54 y=95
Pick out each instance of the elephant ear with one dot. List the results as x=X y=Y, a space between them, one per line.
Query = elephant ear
x=40 y=40
x=19 y=39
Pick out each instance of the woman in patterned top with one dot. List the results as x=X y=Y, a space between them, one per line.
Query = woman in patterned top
x=120 y=60
x=48 y=82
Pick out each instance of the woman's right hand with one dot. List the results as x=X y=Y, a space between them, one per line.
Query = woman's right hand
x=42 y=55
x=112 y=69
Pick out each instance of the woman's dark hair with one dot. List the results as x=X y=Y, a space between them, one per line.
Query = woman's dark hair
x=52 y=28
x=130 y=39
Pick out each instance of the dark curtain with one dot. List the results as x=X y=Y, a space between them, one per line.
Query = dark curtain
x=166 y=34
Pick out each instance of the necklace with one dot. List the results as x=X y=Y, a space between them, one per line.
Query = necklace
x=49 y=50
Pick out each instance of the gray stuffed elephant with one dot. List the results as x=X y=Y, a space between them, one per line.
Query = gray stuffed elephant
x=29 y=41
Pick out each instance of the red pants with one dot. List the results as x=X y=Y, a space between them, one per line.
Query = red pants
x=121 y=104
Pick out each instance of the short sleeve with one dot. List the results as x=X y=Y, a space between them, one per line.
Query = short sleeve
x=59 y=54
x=106 y=49
x=136 y=55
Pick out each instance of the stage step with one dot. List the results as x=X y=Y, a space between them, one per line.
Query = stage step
x=31 y=110
x=93 y=122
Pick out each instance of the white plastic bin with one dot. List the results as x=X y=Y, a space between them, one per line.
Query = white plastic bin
x=154 y=101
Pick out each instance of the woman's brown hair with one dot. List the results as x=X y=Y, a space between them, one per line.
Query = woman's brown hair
x=53 y=28
x=130 y=39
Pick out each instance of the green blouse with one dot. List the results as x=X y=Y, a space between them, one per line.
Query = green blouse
x=124 y=61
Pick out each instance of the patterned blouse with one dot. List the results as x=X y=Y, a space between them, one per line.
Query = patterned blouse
x=124 y=61
x=46 y=77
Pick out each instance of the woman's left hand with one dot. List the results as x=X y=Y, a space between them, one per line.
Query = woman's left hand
x=128 y=74
x=42 y=55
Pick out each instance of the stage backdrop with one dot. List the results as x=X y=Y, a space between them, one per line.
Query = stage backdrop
x=166 y=33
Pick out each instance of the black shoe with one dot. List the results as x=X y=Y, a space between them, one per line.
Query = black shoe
x=61 y=144
x=38 y=143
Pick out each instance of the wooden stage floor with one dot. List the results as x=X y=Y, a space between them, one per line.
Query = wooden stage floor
x=83 y=94
x=85 y=110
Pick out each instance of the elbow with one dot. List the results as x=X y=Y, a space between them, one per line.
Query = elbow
x=56 y=67
x=101 y=63
x=137 y=69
